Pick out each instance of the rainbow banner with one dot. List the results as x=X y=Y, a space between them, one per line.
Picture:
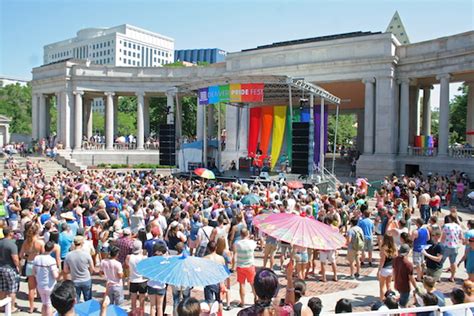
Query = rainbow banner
x=238 y=92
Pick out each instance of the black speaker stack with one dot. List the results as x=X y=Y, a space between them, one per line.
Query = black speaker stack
x=166 y=137
x=300 y=148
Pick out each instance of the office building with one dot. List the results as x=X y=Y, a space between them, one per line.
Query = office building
x=209 y=55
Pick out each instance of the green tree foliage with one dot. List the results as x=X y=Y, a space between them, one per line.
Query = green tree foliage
x=158 y=113
x=127 y=123
x=98 y=123
x=458 y=115
x=189 y=108
x=346 y=129
x=15 y=103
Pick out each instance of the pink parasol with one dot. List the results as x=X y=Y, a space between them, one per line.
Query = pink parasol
x=300 y=230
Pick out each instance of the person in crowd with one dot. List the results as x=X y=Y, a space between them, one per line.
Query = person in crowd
x=434 y=256
x=451 y=239
x=212 y=293
x=403 y=275
x=387 y=253
x=157 y=290
x=46 y=272
x=424 y=205
x=343 y=306
x=420 y=237
x=458 y=296
x=9 y=268
x=244 y=251
x=355 y=243
x=137 y=283
x=315 y=305
x=113 y=272
x=429 y=284
x=189 y=307
x=367 y=226
x=78 y=264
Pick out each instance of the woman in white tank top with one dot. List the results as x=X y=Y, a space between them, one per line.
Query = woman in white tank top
x=138 y=284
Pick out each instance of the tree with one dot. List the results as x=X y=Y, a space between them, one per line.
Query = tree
x=98 y=122
x=458 y=115
x=189 y=110
x=15 y=103
x=346 y=129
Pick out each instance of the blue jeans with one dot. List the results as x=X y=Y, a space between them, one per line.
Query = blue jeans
x=425 y=213
x=86 y=288
x=179 y=294
x=404 y=298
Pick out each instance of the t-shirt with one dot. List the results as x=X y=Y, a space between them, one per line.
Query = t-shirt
x=453 y=232
x=44 y=267
x=65 y=242
x=402 y=270
x=112 y=268
x=79 y=262
x=149 y=244
x=434 y=250
x=7 y=249
x=245 y=253
x=204 y=234
x=352 y=234
x=367 y=227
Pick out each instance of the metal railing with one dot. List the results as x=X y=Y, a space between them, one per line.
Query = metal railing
x=461 y=152
x=328 y=176
x=437 y=311
x=119 y=146
x=7 y=303
x=422 y=151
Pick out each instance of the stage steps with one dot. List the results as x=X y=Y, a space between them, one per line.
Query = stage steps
x=64 y=158
x=49 y=166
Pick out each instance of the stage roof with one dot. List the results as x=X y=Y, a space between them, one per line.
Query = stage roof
x=276 y=88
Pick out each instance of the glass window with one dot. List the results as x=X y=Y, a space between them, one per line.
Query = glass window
x=124 y=52
x=138 y=63
x=129 y=53
x=133 y=54
x=154 y=59
x=134 y=47
x=108 y=51
x=120 y=58
x=129 y=45
x=138 y=46
x=129 y=62
x=108 y=43
x=125 y=60
x=138 y=55
x=120 y=41
x=134 y=63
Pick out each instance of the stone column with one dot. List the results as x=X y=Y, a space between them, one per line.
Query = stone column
x=414 y=114
x=116 y=108
x=66 y=100
x=404 y=116
x=385 y=128
x=140 y=119
x=170 y=104
x=42 y=116
x=369 y=116
x=210 y=121
x=470 y=114
x=243 y=130
x=199 y=120
x=58 y=116
x=34 y=116
x=78 y=119
x=427 y=110
x=109 y=121
x=443 y=139
x=146 y=119
x=89 y=119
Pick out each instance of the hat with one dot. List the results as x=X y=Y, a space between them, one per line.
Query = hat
x=404 y=250
x=136 y=247
x=126 y=231
x=68 y=216
x=78 y=240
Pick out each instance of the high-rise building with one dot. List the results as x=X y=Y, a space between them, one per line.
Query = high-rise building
x=123 y=45
x=209 y=55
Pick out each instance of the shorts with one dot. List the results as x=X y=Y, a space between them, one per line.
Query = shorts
x=270 y=249
x=9 y=280
x=138 y=287
x=386 y=272
x=352 y=255
x=45 y=295
x=417 y=259
x=29 y=269
x=436 y=274
x=154 y=291
x=450 y=253
x=368 y=245
x=115 y=294
x=302 y=257
x=327 y=256
x=245 y=274
x=285 y=249
x=193 y=244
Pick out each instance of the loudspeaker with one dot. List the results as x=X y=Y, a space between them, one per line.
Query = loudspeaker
x=166 y=137
x=300 y=147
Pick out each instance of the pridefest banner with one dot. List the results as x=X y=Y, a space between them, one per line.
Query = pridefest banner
x=238 y=92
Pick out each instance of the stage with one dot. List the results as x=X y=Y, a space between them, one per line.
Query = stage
x=250 y=178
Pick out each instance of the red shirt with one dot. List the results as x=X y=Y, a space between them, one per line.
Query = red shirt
x=402 y=269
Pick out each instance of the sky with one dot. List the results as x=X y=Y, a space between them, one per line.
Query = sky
x=27 y=25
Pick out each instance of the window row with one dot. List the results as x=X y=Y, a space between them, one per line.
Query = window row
x=102 y=45
x=102 y=53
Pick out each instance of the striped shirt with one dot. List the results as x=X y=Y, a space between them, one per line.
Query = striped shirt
x=245 y=253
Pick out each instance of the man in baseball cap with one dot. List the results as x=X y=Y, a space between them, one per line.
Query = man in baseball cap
x=403 y=274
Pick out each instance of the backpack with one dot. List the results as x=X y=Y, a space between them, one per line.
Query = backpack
x=358 y=240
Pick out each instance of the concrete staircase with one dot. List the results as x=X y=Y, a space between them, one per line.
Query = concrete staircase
x=64 y=158
x=49 y=166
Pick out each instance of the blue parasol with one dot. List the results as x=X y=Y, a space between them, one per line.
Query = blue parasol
x=182 y=270
x=250 y=199
x=92 y=308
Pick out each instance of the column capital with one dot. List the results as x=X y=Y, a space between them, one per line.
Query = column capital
x=429 y=87
x=78 y=92
x=172 y=91
x=140 y=93
x=443 y=76
x=404 y=81
x=58 y=94
x=109 y=93
x=368 y=80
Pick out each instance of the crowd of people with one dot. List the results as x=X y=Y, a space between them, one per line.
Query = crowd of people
x=60 y=232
